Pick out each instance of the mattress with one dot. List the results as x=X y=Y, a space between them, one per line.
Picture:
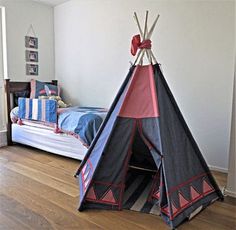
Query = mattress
x=45 y=139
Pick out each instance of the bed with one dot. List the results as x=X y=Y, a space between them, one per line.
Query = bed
x=70 y=136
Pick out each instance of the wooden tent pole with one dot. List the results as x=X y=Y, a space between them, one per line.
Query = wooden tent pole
x=138 y=24
x=141 y=58
x=152 y=27
x=149 y=57
x=143 y=169
x=145 y=26
x=153 y=57
x=145 y=35
x=140 y=53
x=149 y=36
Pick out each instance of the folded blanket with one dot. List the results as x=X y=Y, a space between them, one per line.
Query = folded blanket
x=82 y=121
x=38 y=109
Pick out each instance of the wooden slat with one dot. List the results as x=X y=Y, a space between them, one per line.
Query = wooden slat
x=21 y=214
x=10 y=222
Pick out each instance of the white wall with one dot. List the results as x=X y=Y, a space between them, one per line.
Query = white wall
x=2 y=125
x=194 y=42
x=19 y=15
x=231 y=180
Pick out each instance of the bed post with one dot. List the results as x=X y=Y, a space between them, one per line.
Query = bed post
x=54 y=82
x=7 y=91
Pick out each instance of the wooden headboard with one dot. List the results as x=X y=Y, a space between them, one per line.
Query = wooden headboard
x=12 y=87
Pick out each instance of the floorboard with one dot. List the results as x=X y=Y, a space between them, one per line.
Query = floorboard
x=38 y=192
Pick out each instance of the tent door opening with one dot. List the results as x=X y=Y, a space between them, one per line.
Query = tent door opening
x=141 y=177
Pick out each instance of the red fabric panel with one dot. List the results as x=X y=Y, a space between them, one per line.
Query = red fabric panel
x=157 y=194
x=141 y=97
x=183 y=202
x=91 y=194
x=165 y=210
x=109 y=197
x=194 y=193
x=206 y=187
x=174 y=209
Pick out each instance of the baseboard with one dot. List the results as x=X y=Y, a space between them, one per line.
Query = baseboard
x=218 y=169
x=3 y=138
x=230 y=193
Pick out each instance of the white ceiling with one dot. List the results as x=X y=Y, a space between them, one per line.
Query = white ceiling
x=51 y=2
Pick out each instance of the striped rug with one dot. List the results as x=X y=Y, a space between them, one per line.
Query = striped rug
x=136 y=195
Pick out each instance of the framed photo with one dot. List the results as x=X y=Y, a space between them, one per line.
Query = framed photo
x=31 y=42
x=32 y=69
x=31 y=56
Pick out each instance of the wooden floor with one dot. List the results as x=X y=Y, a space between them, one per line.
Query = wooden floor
x=38 y=191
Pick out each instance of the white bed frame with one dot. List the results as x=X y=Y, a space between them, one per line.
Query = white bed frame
x=45 y=139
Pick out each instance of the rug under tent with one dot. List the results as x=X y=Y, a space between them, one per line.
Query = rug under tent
x=137 y=191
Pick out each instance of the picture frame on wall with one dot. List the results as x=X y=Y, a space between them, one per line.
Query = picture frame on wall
x=31 y=42
x=31 y=56
x=32 y=69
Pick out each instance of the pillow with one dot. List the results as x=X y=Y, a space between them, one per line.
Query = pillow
x=39 y=88
x=14 y=114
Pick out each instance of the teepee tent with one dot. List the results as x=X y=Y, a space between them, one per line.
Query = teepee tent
x=144 y=157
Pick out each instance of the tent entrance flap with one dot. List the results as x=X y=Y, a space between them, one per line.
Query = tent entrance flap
x=139 y=179
x=142 y=151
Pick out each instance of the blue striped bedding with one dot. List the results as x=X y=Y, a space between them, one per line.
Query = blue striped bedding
x=82 y=122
